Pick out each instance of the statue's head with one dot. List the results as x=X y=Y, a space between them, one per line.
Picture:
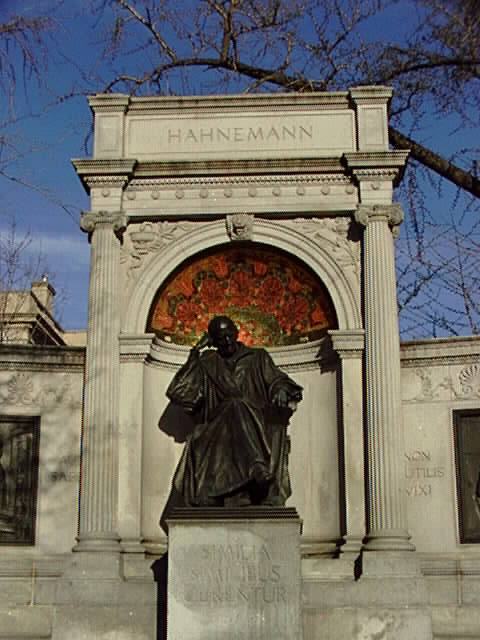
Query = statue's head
x=223 y=334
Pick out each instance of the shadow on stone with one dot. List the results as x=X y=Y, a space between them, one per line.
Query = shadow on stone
x=358 y=567
x=160 y=574
x=175 y=499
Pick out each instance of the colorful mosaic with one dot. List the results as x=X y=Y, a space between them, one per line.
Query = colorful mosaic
x=273 y=299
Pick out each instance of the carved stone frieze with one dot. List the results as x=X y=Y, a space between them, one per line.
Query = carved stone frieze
x=328 y=185
x=25 y=389
x=375 y=174
x=19 y=389
x=146 y=184
x=437 y=384
x=240 y=226
x=333 y=235
x=106 y=181
x=430 y=389
x=142 y=240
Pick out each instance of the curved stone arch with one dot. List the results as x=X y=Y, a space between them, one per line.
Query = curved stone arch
x=212 y=234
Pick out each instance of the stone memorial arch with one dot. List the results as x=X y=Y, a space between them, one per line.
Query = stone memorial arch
x=303 y=182
x=278 y=211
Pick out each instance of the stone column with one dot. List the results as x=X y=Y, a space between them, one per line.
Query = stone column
x=385 y=492
x=99 y=479
x=349 y=345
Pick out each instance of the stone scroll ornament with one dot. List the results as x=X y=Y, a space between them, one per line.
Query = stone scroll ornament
x=240 y=401
x=274 y=299
x=90 y=220
x=392 y=213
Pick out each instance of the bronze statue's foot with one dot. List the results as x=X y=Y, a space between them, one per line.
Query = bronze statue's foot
x=273 y=502
x=261 y=475
x=210 y=502
x=238 y=500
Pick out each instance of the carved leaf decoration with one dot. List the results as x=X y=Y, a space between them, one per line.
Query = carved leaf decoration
x=469 y=378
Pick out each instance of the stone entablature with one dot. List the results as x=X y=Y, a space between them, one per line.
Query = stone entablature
x=276 y=154
x=256 y=126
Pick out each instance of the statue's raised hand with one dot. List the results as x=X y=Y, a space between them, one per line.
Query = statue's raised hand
x=205 y=341
x=280 y=398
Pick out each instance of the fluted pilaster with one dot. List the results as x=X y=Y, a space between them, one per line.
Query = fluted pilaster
x=99 y=479
x=385 y=492
x=349 y=345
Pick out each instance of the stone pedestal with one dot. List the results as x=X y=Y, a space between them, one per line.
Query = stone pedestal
x=234 y=574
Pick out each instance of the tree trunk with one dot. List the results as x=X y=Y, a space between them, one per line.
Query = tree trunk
x=443 y=167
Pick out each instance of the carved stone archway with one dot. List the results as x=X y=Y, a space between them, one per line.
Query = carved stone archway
x=315 y=249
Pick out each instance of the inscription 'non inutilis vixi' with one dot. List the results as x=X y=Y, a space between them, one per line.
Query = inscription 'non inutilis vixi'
x=204 y=135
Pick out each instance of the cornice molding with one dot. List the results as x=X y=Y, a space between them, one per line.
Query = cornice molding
x=104 y=172
x=196 y=181
x=389 y=165
x=364 y=159
x=439 y=352
x=118 y=181
x=302 y=357
x=103 y=166
x=283 y=166
x=110 y=102
x=226 y=103
x=348 y=344
x=369 y=94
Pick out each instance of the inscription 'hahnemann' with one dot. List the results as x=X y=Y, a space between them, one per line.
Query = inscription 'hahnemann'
x=203 y=135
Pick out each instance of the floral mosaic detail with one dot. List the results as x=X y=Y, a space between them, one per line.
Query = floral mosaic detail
x=273 y=299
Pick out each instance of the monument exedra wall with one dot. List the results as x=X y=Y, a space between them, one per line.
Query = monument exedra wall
x=276 y=212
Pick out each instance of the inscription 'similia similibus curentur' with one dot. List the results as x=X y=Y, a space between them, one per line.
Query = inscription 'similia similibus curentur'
x=233 y=574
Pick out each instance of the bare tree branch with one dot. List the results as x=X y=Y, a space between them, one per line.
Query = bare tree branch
x=437 y=163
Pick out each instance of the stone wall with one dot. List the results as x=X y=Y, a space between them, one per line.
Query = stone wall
x=46 y=382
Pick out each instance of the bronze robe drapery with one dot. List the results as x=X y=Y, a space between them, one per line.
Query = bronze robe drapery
x=236 y=426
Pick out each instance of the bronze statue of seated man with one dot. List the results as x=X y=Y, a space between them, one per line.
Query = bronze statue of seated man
x=241 y=401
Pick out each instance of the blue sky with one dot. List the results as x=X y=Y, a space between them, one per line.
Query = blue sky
x=51 y=136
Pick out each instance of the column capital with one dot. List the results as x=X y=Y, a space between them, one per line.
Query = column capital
x=91 y=219
x=391 y=213
x=348 y=343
